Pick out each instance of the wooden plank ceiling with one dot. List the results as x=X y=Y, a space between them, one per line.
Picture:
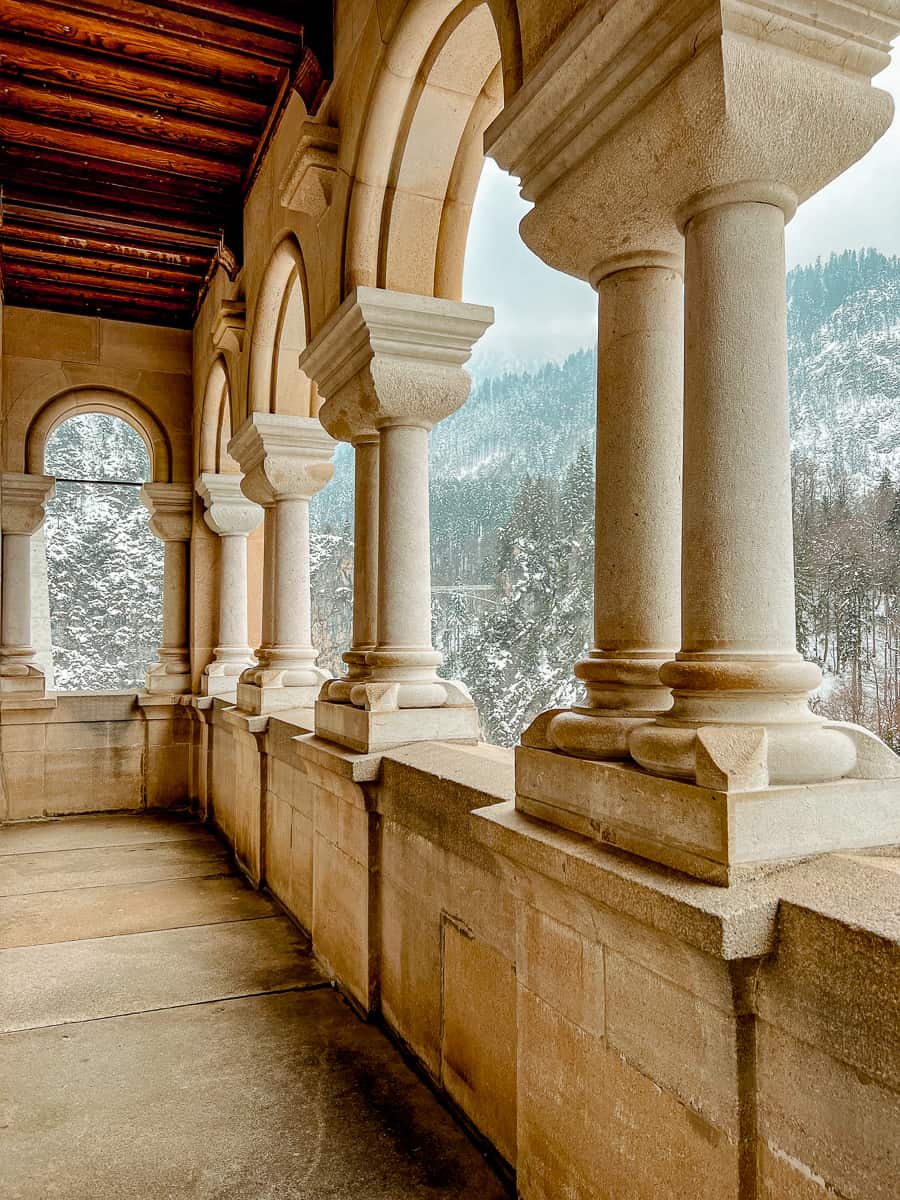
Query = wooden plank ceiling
x=129 y=133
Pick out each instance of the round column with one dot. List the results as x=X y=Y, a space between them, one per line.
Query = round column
x=233 y=639
x=738 y=663
x=365 y=547
x=174 y=647
x=365 y=568
x=292 y=647
x=171 y=507
x=16 y=612
x=404 y=653
x=637 y=563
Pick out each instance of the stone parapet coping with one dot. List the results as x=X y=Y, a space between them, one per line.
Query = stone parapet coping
x=462 y=797
x=735 y=922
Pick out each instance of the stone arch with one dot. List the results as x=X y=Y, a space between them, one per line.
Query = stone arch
x=215 y=422
x=81 y=400
x=280 y=332
x=441 y=83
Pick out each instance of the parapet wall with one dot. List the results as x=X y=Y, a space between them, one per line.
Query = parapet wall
x=611 y=1028
x=93 y=752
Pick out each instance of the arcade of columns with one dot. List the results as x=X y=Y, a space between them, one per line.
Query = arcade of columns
x=663 y=156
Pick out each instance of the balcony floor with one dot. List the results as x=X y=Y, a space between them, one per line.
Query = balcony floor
x=166 y=1033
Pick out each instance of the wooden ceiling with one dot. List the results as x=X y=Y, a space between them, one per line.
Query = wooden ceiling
x=129 y=134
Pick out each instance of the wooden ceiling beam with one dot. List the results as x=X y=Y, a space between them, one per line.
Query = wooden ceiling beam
x=65 y=66
x=51 y=292
x=18 y=233
x=98 y=281
x=70 y=109
x=18 y=252
x=62 y=177
x=116 y=227
x=127 y=29
x=280 y=17
x=103 y=148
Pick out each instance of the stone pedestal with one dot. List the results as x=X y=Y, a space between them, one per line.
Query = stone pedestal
x=233 y=517
x=171 y=507
x=738 y=773
x=22 y=501
x=286 y=460
x=394 y=362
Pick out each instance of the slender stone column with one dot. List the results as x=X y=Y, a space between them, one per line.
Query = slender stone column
x=233 y=517
x=738 y=665
x=286 y=460
x=365 y=567
x=21 y=514
x=171 y=507
x=637 y=527
x=394 y=362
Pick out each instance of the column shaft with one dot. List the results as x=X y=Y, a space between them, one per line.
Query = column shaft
x=365 y=544
x=16 y=596
x=233 y=598
x=638 y=509
x=175 y=632
x=404 y=548
x=738 y=539
x=738 y=665
x=291 y=623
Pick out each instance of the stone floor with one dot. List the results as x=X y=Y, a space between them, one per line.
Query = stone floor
x=165 y=1033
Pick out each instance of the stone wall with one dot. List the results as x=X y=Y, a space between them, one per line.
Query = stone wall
x=50 y=355
x=612 y=1027
x=97 y=752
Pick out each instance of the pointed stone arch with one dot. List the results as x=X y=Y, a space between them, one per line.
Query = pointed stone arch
x=215 y=422
x=442 y=80
x=279 y=333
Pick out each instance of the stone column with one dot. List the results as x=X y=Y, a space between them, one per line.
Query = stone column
x=286 y=460
x=738 y=665
x=395 y=362
x=365 y=565
x=738 y=772
x=22 y=505
x=233 y=517
x=171 y=507
x=637 y=528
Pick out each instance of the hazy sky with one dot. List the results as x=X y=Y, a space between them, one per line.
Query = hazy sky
x=543 y=314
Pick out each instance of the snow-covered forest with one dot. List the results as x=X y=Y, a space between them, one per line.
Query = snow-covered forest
x=104 y=566
x=512 y=516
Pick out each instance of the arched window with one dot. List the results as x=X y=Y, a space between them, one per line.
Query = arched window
x=104 y=566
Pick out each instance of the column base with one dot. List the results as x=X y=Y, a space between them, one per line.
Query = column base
x=262 y=698
x=714 y=833
x=22 y=679
x=338 y=690
x=584 y=732
x=221 y=678
x=368 y=730
x=166 y=679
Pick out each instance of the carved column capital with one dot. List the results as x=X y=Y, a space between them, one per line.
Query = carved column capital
x=282 y=457
x=22 y=501
x=390 y=358
x=171 y=507
x=228 y=511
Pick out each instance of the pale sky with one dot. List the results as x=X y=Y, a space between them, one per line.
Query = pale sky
x=542 y=314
